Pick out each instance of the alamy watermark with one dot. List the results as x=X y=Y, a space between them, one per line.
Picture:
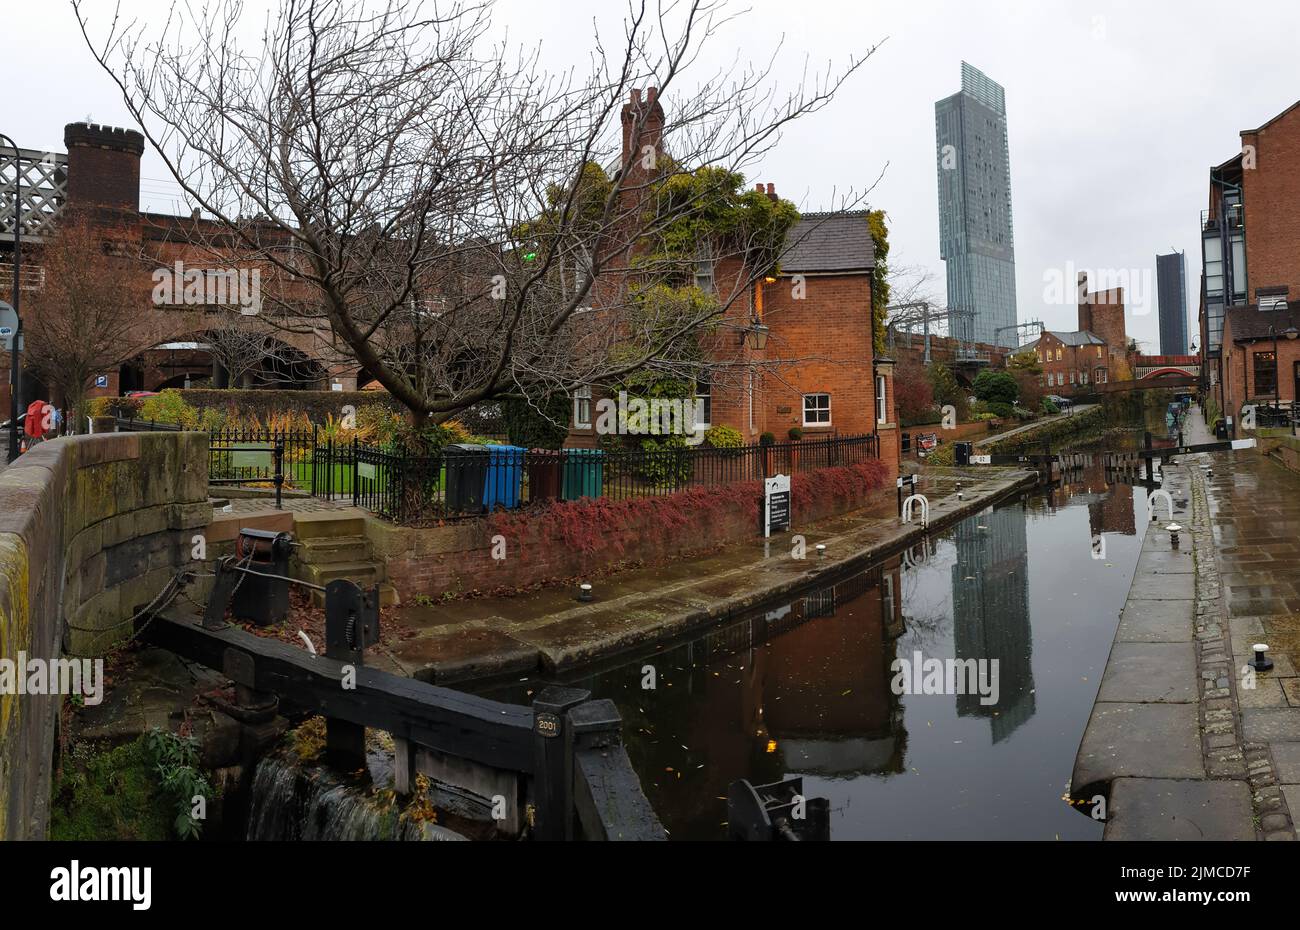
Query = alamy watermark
x=1066 y=287
x=640 y=416
x=222 y=287
x=920 y=675
x=71 y=677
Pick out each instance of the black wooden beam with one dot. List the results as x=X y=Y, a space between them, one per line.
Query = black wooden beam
x=607 y=795
x=489 y=732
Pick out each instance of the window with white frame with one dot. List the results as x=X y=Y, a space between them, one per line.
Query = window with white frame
x=704 y=269
x=582 y=408
x=816 y=409
x=881 y=409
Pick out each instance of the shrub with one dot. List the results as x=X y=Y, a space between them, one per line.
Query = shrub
x=1000 y=410
x=795 y=434
x=169 y=407
x=1049 y=407
x=667 y=461
x=99 y=407
x=723 y=437
x=379 y=425
x=533 y=428
x=767 y=439
x=996 y=387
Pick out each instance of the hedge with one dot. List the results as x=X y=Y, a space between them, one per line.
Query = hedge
x=317 y=405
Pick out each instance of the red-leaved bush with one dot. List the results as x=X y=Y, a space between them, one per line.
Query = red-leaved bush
x=589 y=524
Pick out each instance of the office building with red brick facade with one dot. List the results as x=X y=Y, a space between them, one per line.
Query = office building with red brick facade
x=1250 y=277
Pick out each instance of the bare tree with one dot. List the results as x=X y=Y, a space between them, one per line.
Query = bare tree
x=84 y=320
x=468 y=227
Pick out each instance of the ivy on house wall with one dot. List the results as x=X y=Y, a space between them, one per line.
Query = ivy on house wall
x=879 y=278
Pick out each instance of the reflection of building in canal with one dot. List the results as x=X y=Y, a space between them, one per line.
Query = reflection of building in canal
x=801 y=689
x=827 y=701
x=990 y=604
x=1110 y=504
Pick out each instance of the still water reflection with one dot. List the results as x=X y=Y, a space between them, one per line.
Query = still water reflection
x=805 y=689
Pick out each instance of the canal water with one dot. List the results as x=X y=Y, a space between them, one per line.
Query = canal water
x=808 y=689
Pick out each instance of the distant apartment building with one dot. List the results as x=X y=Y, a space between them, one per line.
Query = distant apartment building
x=1171 y=283
x=1250 y=269
x=975 y=228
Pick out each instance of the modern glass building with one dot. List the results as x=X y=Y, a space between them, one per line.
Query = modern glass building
x=1171 y=284
x=975 y=238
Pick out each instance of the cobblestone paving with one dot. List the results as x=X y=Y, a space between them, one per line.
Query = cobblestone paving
x=1248 y=591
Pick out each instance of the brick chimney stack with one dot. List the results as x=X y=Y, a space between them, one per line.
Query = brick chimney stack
x=103 y=167
x=647 y=116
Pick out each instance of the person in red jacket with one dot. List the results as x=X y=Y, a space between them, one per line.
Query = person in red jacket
x=34 y=422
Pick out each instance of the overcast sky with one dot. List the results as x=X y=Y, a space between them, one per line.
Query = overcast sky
x=1115 y=110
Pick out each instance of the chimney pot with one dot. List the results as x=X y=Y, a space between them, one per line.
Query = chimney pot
x=758 y=187
x=636 y=96
x=771 y=190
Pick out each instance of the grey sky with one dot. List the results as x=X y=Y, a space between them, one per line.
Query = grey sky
x=1116 y=110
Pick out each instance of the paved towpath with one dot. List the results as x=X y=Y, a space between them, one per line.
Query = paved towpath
x=1189 y=743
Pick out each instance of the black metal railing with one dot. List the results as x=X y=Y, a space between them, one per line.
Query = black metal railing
x=466 y=481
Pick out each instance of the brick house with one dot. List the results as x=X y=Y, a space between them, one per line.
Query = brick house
x=1070 y=360
x=1250 y=269
x=1260 y=362
x=1094 y=352
x=817 y=370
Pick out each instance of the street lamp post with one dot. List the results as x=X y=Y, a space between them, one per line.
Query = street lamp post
x=1277 y=375
x=15 y=370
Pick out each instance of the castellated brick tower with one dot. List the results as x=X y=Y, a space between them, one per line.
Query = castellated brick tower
x=1102 y=314
x=104 y=170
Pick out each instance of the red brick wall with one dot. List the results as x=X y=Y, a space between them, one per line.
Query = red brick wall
x=821 y=344
x=1241 y=381
x=1271 y=195
x=459 y=557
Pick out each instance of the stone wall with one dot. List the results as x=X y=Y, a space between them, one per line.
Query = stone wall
x=578 y=539
x=91 y=528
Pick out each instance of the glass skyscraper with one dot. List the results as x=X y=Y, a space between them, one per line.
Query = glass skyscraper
x=1171 y=286
x=975 y=238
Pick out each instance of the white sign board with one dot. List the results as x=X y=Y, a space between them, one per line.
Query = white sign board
x=776 y=504
x=8 y=326
x=101 y=381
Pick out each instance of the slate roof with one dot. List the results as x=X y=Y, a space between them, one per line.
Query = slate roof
x=829 y=243
x=1252 y=323
x=1077 y=338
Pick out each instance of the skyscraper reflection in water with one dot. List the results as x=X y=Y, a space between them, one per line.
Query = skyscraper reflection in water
x=990 y=602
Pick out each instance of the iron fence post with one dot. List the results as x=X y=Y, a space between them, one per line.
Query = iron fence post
x=278 y=455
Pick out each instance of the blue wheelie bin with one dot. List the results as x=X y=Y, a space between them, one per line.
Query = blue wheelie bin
x=504 y=473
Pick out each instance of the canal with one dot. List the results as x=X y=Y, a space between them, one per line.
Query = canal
x=806 y=688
